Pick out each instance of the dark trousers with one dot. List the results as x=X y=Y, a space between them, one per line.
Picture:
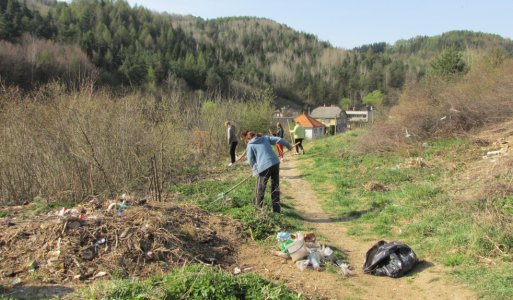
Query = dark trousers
x=233 y=145
x=299 y=145
x=273 y=173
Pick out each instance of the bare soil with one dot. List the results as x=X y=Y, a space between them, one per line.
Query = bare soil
x=426 y=281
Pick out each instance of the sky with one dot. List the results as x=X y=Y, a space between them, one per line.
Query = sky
x=352 y=23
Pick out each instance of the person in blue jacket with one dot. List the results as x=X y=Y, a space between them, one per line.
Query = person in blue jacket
x=265 y=165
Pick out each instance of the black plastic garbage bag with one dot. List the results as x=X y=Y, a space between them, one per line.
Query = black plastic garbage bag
x=389 y=259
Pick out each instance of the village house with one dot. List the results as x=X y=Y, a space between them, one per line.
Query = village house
x=313 y=128
x=359 y=118
x=333 y=117
x=283 y=115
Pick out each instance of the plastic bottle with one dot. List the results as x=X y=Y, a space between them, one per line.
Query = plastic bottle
x=315 y=259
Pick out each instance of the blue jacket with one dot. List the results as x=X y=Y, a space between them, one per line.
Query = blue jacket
x=260 y=153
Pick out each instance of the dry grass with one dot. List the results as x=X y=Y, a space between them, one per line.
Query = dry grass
x=73 y=145
x=437 y=108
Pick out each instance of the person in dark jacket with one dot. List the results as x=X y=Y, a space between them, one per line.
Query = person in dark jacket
x=232 y=140
x=265 y=164
x=279 y=133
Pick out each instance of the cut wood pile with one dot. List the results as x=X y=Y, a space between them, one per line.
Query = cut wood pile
x=91 y=242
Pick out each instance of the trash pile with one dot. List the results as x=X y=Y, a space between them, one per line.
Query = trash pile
x=119 y=239
x=305 y=252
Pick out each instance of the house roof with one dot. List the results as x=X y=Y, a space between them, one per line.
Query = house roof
x=327 y=112
x=307 y=121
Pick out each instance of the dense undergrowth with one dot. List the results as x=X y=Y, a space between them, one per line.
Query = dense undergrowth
x=68 y=146
x=418 y=203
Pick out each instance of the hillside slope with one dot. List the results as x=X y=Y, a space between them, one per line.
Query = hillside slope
x=450 y=199
x=133 y=46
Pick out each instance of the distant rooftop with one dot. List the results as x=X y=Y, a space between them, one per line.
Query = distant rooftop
x=326 y=112
x=307 y=121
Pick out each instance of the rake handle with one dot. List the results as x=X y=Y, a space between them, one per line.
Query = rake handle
x=235 y=186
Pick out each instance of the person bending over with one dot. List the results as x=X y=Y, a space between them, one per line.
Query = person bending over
x=265 y=164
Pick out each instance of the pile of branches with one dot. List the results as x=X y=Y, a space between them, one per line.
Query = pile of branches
x=139 y=241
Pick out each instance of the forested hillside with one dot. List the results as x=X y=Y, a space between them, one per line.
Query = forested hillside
x=136 y=48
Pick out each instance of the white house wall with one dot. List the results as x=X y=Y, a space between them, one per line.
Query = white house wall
x=314 y=133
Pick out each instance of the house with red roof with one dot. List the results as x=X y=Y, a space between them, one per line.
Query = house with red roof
x=313 y=128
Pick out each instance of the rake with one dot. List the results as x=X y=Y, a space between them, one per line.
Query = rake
x=223 y=195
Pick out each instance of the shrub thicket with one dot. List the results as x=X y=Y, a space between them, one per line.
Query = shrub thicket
x=69 y=146
x=440 y=107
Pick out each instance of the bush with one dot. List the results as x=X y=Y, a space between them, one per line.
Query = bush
x=437 y=107
x=68 y=146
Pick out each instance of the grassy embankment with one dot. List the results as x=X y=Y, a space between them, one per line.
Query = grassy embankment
x=192 y=282
x=419 y=207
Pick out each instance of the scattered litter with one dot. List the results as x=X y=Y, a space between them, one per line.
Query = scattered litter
x=238 y=270
x=111 y=206
x=302 y=264
x=305 y=252
x=345 y=269
x=100 y=242
x=280 y=254
x=283 y=236
x=297 y=249
x=315 y=260
x=95 y=203
x=72 y=212
x=493 y=153
x=415 y=162
x=100 y=274
x=150 y=255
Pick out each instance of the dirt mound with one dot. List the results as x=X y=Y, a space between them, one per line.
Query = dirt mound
x=137 y=242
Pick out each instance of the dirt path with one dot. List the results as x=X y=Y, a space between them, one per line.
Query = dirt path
x=426 y=281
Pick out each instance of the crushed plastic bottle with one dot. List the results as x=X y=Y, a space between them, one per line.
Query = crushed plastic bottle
x=326 y=251
x=315 y=259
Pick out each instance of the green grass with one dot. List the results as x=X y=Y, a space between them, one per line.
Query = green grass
x=191 y=282
x=41 y=205
x=260 y=224
x=417 y=209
